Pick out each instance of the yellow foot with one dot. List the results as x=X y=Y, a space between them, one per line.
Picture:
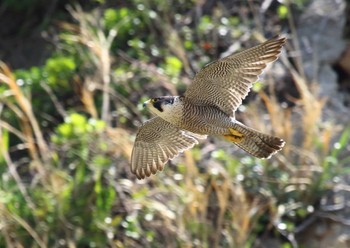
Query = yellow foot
x=235 y=136
x=235 y=132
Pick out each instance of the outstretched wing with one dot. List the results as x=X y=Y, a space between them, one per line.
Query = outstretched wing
x=156 y=142
x=226 y=82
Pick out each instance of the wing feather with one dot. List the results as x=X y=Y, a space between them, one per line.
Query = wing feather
x=226 y=82
x=158 y=141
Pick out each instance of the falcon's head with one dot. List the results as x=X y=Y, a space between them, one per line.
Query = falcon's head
x=164 y=105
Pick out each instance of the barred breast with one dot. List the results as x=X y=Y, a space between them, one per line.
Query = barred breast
x=205 y=119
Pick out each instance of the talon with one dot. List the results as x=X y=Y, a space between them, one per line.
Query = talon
x=234 y=138
x=234 y=132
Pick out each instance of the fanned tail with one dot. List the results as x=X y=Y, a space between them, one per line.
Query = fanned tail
x=253 y=142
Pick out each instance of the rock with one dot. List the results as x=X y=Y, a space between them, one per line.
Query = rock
x=320 y=29
x=320 y=32
x=327 y=79
x=344 y=61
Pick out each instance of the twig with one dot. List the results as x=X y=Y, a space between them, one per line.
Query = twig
x=32 y=126
x=298 y=59
x=152 y=69
x=54 y=99
x=11 y=129
x=27 y=227
x=125 y=101
x=13 y=171
x=334 y=218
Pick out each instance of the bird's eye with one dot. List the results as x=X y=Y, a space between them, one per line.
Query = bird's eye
x=154 y=100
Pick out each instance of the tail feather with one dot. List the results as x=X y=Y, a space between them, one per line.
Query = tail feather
x=255 y=143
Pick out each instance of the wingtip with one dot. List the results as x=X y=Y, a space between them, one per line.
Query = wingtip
x=278 y=145
x=142 y=173
x=280 y=38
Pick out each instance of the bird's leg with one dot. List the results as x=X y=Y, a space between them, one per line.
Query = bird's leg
x=235 y=136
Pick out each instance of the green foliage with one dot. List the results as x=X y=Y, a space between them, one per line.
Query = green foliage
x=339 y=147
x=30 y=76
x=83 y=197
x=87 y=198
x=4 y=145
x=127 y=22
x=59 y=70
x=138 y=49
x=114 y=17
x=172 y=66
x=335 y=162
x=57 y=73
x=282 y=11
x=232 y=165
x=205 y=24
x=258 y=86
x=76 y=126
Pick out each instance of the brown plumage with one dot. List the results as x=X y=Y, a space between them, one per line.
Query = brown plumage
x=207 y=108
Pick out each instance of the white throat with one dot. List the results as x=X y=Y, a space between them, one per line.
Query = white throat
x=171 y=112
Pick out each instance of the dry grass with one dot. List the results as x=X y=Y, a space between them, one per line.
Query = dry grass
x=30 y=127
x=32 y=138
x=187 y=206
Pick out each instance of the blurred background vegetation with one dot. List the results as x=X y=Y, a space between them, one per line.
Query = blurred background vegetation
x=73 y=77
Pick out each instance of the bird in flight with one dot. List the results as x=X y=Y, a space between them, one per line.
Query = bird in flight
x=207 y=108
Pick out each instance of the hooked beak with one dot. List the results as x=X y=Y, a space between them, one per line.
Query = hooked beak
x=145 y=103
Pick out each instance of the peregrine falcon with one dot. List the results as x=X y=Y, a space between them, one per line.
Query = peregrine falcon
x=207 y=108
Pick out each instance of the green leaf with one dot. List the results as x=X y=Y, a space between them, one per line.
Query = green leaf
x=110 y=17
x=172 y=66
x=59 y=70
x=101 y=161
x=77 y=120
x=65 y=130
x=282 y=11
x=342 y=143
x=4 y=144
x=205 y=24
x=98 y=125
x=258 y=86
x=188 y=45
